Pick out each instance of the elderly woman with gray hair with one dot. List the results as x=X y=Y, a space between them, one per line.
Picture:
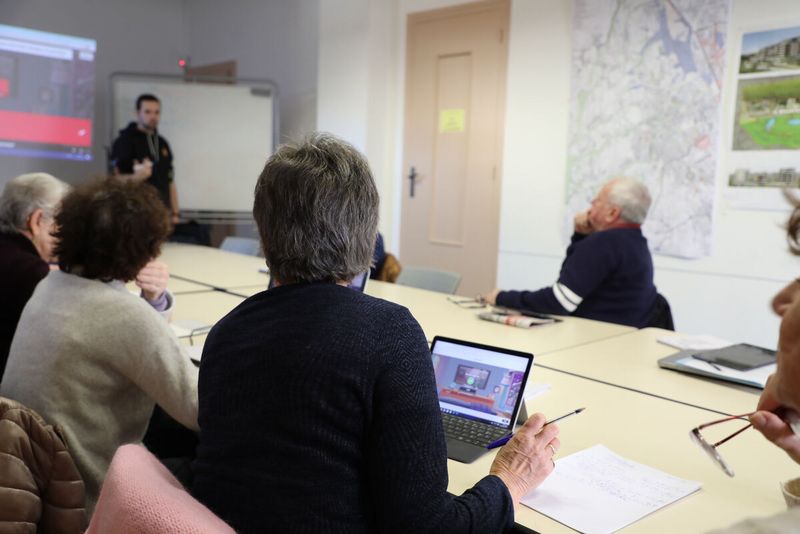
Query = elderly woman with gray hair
x=318 y=408
x=27 y=208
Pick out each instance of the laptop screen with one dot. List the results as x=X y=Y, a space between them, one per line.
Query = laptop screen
x=359 y=282
x=478 y=381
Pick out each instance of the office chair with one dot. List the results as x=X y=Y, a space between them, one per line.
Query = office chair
x=661 y=314
x=431 y=279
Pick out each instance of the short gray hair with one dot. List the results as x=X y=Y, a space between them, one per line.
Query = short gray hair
x=631 y=197
x=25 y=194
x=316 y=208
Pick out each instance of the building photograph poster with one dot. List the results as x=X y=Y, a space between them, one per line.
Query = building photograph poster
x=765 y=155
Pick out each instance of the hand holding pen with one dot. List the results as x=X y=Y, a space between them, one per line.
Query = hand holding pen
x=502 y=441
x=527 y=459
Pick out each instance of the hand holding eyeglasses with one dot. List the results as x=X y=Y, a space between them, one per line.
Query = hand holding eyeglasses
x=779 y=425
x=778 y=432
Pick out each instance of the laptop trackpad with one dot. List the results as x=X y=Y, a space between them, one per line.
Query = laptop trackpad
x=463 y=452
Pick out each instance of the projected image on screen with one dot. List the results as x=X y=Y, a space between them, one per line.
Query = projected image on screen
x=46 y=94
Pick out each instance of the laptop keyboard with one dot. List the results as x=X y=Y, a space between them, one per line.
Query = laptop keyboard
x=471 y=431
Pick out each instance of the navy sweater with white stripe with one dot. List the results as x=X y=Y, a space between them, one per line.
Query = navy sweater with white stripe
x=607 y=276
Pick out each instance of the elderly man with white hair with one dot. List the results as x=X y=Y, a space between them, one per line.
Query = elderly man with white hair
x=27 y=207
x=608 y=272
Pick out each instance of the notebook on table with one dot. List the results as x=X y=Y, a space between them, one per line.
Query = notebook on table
x=741 y=364
x=480 y=390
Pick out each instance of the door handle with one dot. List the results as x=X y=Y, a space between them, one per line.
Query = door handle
x=412 y=176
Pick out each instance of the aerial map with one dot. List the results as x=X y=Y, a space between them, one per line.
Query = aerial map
x=646 y=87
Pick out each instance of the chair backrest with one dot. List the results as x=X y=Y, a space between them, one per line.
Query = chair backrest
x=241 y=245
x=431 y=279
x=661 y=314
x=140 y=495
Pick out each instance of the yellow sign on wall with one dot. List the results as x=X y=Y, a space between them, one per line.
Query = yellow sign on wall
x=451 y=120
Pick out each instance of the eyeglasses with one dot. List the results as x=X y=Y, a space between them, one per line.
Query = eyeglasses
x=477 y=302
x=711 y=449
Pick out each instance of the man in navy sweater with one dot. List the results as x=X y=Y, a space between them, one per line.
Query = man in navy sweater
x=608 y=272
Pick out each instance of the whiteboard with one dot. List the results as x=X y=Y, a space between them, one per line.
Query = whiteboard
x=221 y=135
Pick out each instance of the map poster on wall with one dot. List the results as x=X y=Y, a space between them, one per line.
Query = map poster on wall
x=766 y=123
x=646 y=87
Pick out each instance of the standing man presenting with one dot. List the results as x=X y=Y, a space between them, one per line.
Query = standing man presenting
x=608 y=272
x=140 y=154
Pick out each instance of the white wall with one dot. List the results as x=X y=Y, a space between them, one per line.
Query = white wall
x=146 y=36
x=726 y=294
x=275 y=40
x=359 y=88
x=343 y=70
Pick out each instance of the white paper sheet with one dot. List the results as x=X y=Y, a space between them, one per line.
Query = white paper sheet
x=597 y=491
x=703 y=342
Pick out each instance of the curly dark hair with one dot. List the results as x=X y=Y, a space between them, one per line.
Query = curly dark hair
x=109 y=229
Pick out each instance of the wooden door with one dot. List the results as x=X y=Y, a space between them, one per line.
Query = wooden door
x=455 y=101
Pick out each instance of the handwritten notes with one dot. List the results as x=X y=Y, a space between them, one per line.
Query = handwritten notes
x=597 y=491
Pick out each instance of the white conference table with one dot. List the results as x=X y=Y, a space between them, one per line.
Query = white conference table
x=631 y=361
x=440 y=317
x=206 y=307
x=653 y=432
x=634 y=424
x=620 y=355
x=239 y=274
x=212 y=267
x=176 y=286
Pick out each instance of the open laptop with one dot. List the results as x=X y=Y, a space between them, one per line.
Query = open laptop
x=480 y=391
x=359 y=282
